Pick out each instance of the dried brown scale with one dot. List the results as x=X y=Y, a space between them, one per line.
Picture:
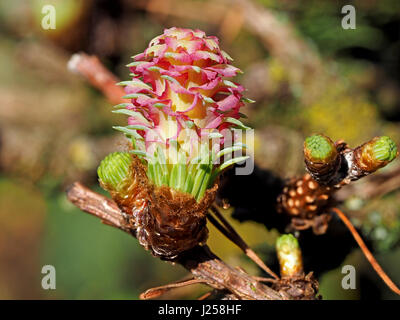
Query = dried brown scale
x=305 y=201
x=302 y=287
x=322 y=172
x=167 y=222
x=175 y=222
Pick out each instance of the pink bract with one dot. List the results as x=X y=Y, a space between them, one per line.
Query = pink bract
x=181 y=82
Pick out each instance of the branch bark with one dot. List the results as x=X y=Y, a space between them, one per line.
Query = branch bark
x=98 y=75
x=200 y=261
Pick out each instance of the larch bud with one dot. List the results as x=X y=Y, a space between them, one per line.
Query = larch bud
x=321 y=158
x=289 y=256
x=114 y=171
x=375 y=154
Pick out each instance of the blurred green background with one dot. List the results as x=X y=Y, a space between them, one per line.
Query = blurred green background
x=305 y=71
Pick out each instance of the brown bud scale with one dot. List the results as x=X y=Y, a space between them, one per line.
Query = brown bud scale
x=306 y=205
x=167 y=222
x=323 y=171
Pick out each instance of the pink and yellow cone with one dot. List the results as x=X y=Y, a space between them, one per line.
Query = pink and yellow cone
x=180 y=98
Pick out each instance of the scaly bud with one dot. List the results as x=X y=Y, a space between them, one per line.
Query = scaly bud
x=322 y=158
x=114 y=171
x=319 y=148
x=289 y=256
x=375 y=154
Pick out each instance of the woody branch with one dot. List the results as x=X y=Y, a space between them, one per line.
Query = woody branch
x=200 y=261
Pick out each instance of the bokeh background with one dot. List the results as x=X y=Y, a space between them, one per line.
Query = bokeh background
x=306 y=73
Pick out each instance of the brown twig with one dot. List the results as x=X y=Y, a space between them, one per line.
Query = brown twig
x=205 y=296
x=158 y=291
x=97 y=205
x=200 y=261
x=366 y=251
x=232 y=235
x=263 y=279
x=94 y=71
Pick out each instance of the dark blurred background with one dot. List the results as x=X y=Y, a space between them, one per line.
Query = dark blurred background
x=305 y=71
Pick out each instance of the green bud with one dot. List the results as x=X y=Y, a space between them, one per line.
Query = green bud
x=114 y=169
x=289 y=255
x=384 y=149
x=319 y=148
x=375 y=154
